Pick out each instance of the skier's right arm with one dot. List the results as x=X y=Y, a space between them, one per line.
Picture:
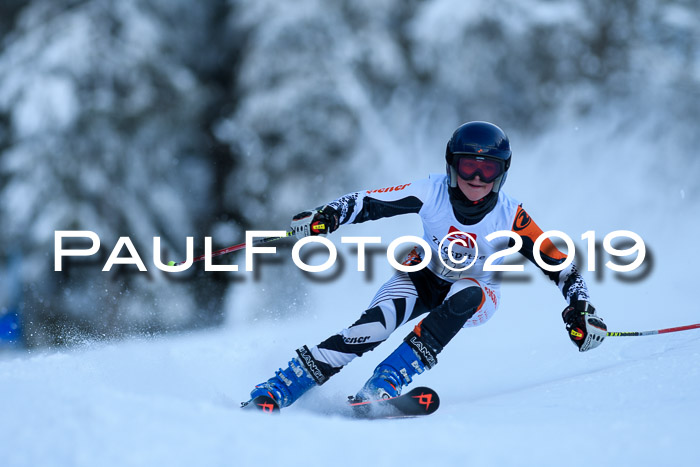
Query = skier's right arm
x=319 y=221
x=362 y=206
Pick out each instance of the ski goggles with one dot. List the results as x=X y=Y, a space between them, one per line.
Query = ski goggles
x=488 y=170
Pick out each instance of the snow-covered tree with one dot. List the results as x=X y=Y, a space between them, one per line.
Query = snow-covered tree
x=104 y=114
x=176 y=118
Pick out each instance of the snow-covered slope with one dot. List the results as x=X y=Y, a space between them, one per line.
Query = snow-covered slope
x=173 y=401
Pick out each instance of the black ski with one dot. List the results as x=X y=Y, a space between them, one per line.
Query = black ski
x=263 y=404
x=415 y=403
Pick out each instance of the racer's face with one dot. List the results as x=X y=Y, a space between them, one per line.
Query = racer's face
x=474 y=189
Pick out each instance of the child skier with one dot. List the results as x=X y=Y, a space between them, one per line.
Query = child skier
x=467 y=200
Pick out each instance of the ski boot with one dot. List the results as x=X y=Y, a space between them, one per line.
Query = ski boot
x=281 y=390
x=391 y=375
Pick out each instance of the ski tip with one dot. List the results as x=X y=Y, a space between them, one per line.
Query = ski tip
x=262 y=404
x=427 y=399
x=417 y=402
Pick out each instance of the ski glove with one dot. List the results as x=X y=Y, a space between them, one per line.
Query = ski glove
x=585 y=329
x=320 y=221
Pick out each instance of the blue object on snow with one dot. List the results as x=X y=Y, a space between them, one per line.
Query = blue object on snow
x=10 y=327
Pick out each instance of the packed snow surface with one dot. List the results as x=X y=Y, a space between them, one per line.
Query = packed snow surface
x=515 y=392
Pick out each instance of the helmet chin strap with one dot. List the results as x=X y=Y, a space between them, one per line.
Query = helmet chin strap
x=452 y=175
x=499 y=182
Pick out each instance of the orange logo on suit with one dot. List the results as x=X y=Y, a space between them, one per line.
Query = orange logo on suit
x=522 y=220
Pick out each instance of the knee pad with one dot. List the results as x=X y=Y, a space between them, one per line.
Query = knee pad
x=444 y=321
x=465 y=302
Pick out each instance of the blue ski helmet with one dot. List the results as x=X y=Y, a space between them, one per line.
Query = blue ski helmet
x=478 y=140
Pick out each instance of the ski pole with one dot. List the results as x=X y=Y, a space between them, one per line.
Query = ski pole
x=657 y=331
x=233 y=248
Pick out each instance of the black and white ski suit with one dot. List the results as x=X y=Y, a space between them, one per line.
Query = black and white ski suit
x=451 y=298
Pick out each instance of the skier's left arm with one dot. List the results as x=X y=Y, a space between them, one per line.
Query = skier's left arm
x=586 y=330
